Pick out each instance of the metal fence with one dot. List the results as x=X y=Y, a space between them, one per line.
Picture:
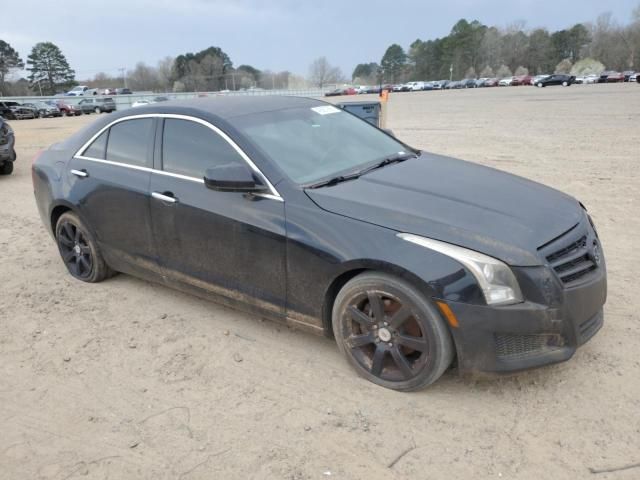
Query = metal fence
x=126 y=101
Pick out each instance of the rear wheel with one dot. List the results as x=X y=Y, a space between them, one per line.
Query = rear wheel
x=539 y=85
x=79 y=250
x=6 y=168
x=97 y=110
x=565 y=84
x=390 y=333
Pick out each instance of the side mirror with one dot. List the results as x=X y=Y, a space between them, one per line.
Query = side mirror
x=233 y=177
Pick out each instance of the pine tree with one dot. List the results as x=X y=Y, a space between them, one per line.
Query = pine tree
x=49 y=68
x=9 y=60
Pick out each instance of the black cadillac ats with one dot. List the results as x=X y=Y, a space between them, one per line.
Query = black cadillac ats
x=298 y=211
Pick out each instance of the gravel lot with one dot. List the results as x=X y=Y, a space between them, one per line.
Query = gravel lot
x=127 y=379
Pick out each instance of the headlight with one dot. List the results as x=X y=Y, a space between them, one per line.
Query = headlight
x=496 y=279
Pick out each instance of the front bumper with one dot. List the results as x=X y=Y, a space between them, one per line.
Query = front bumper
x=530 y=334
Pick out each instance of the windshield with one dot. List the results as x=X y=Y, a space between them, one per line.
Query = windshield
x=315 y=143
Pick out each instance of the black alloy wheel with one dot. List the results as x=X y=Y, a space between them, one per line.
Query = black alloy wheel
x=390 y=333
x=6 y=168
x=79 y=250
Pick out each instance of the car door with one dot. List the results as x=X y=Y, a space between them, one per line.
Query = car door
x=109 y=182
x=225 y=243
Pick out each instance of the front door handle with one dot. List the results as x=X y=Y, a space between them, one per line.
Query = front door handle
x=80 y=173
x=164 y=197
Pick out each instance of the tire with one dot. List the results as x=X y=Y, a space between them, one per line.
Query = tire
x=97 y=110
x=408 y=350
x=79 y=250
x=565 y=84
x=6 y=168
x=539 y=85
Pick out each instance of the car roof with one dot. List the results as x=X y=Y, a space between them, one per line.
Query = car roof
x=233 y=106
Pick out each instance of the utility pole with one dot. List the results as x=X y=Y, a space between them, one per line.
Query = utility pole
x=451 y=73
x=124 y=76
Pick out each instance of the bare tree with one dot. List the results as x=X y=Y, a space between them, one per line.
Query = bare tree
x=564 y=66
x=321 y=72
x=165 y=71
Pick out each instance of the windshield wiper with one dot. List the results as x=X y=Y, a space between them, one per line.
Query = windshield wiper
x=335 y=180
x=395 y=158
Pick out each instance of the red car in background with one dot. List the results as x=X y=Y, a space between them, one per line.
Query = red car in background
x=491 y=82
x=611 y=77
x=341 y=91
x=68 y=109
x=522 y=80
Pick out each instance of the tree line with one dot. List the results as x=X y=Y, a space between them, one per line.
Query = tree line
x=210 y=69
x=473 y=49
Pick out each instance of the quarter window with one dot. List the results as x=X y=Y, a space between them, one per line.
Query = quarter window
x=189 y=148
x=98 y=147
x=129 y=141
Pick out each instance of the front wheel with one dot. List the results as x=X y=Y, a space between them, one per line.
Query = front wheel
x=6 y=168
x=97 y=110
x=79 y=250
x=390 y=333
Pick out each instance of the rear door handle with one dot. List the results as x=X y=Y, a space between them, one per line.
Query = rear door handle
x=164 y=197
x=80 y=173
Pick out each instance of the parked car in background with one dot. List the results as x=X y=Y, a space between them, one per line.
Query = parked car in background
x=109 y=91
x=123 y=91
x=44 y=109
x=505 y=82
x=341 y=91
x=149 y=101
x=22 y=112
x=611 y=77
x=97 y=105
x=634 y=77
x=81 y=91
x=468 y=83
x=627 y=75
x=7 y=148
x=6 y=109
x=556 y=79
x=68 y=109
x=491 y=82
x=521 y=80
x=537 y=78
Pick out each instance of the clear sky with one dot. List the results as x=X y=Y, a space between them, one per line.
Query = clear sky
x=277 y=34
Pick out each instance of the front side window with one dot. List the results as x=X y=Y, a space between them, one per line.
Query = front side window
x=129 y=141
x=314 y=143
x=189 y=148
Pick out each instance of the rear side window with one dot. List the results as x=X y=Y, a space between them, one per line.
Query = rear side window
x=189 y=148
x=129 y=142
x=98 y=147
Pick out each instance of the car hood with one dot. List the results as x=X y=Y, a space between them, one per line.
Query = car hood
x=477 y=207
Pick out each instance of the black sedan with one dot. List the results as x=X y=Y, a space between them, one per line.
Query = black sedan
x=293 y=209
x=556 y=79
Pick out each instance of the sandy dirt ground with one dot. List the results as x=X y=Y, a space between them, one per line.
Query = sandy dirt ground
x=127 y=379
